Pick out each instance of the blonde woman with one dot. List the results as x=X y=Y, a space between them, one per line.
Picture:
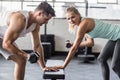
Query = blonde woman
x=95 y=28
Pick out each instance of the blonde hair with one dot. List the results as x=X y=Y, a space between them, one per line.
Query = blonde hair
x=71 y=28
x=74 y=10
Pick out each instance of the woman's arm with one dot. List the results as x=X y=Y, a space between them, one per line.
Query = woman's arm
x=88 y=42
x=82 y=29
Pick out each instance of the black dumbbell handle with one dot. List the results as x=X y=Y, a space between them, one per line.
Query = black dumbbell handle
x=37 y=54
x=68 y=45
x=34 y=56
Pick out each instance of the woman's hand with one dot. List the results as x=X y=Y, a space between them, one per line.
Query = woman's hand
x=51 y=69
x=59 y=67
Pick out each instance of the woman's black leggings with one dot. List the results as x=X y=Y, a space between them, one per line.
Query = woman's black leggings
x=112 y=48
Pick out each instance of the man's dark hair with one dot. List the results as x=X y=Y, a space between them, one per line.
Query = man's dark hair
x=46 y=8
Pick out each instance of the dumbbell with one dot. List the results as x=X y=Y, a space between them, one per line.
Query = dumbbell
x=68 y=44
x=34 y=56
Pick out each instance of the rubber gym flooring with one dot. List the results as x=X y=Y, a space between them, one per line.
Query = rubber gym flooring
x=76 y=70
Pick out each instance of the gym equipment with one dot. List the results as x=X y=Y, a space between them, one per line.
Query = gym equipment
x=47 y=47
x=68 y=44
x=85 y=54
x=51 y=39
x=54 y=75
x=34 y=56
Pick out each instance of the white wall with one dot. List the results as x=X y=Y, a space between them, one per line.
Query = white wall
x=59 y=27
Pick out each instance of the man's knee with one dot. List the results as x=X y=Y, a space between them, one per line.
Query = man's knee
x=18 y=59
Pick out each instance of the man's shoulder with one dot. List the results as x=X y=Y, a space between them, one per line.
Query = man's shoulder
x=24 y=13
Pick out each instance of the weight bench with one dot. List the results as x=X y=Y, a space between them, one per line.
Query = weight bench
x=86 y=56
x=54 y=75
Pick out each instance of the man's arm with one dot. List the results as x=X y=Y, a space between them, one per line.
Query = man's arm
x=37 y=46
x=15 y=26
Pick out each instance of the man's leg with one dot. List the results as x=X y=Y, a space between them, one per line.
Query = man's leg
x=20 y=64
x=103 y=57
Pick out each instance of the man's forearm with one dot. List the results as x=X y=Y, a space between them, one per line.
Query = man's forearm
x=15 y=50
x=41 y=60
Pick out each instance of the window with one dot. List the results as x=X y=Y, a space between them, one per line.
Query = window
x=71 y=0
x=108 y=1
x=30 y=5
x=102 y=9
x=6 y=7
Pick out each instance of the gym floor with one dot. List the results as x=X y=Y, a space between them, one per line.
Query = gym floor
x=76 y=70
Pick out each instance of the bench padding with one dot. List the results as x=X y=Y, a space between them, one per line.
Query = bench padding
x=54 y=75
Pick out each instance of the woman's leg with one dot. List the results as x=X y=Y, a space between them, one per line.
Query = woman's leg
x=103 y=57
x=20 y=64
x=116 y=58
